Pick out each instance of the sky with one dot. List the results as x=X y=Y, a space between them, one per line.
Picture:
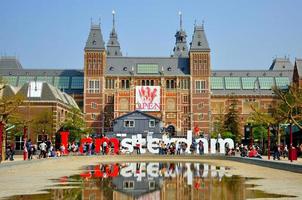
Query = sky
x=242 y=34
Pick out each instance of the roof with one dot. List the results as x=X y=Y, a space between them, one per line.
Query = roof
x=95 y=39
x=298 y=65
x=136 y=111
x=42 y=91
x=199 y=40
x=281 y=64
x=9 y=62
x=248 y=82
x=167 y=66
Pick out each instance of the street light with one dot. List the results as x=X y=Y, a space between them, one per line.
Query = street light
x=268 y=142
x=290 y=140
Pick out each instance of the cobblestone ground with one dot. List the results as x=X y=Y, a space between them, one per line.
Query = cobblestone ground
x=27 y=177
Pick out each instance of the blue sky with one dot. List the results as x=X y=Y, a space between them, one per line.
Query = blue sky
x=242 y=34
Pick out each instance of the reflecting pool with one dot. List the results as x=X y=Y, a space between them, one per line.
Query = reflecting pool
x=152 y=181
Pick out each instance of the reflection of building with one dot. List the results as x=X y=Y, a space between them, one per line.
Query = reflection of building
x=191 y=93
x=43 y=102
x=136 y=122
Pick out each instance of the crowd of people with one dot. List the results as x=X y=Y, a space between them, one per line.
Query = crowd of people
x=47 y=149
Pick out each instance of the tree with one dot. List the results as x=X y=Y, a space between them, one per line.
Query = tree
x=231 y=119
x=8 y=105
x=75 y=124
x=289 y=106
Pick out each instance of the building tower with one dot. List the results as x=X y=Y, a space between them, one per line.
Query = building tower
x=181 y=48
x=113 y=46
x=94 y=67
x=200 y=70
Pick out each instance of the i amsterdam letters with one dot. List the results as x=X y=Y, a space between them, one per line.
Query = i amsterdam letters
x=151 y=143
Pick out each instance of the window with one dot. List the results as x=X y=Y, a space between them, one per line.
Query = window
x=147 y=82
x=217 y=83
x=232 y=83
x=249 y=83
x=11 y=80
x=185 y=84
x=282 y=81
x=170 y=84
x=128 y=184
x=93 y=116
x=93 y=105
x=77 y=82
x=200 y=105
x=185 y=99
x=266 y=83
x=61 y=82
x=200 y=86
x=151 y=123
x=110 y=99
x=110 y=83
x=186 y=109
x=151 y=185
x=129 y=123
x=200 y=117
x=125 y=84
x=25 y=79
x=19 y=143
x=93 y=86
x=147 y=68
x=47 y=79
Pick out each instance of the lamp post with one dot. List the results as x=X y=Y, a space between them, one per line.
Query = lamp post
x=268 y=142
x=1 y=139
x=25 y=151
x=290 y=141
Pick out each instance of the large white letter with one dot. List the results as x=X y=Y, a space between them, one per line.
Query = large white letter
x=222 y=143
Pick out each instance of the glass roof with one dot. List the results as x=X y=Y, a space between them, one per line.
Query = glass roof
x=61 y=82
x=232 y=83
x=249 y=83
x=266 y=83
x=25 y=79
x=11 y=80
x=147 y=68
x=47 y=79
x=77 y=82
x=282 y=81
x=217 y=83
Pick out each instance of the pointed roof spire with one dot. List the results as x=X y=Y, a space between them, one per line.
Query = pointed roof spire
x=113 y=19
x=199 y=39
x=113 y=46
x=180 y=49
x=180 y=20
x=95 y=39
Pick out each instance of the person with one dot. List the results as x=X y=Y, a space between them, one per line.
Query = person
x=43 y=147
x=62 y=149
x=30 y=149
x=138 y=147
x=104 y=147
x=285 y=151
x=178 y=147
x=276 y=152
x=200 y=147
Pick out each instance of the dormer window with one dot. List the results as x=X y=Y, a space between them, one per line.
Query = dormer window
x=125 y=68
x=199 y=43
x=94 y=42
x=169 y=69
x=111 y=68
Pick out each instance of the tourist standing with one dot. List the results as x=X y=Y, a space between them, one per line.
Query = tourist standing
x=43 y=147
x=200 y=147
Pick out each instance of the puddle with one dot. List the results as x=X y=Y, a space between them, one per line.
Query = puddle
x=140 y=181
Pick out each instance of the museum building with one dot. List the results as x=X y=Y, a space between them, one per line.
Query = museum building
x=182 y=91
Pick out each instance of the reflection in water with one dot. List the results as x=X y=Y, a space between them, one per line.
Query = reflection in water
x=150 y=181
